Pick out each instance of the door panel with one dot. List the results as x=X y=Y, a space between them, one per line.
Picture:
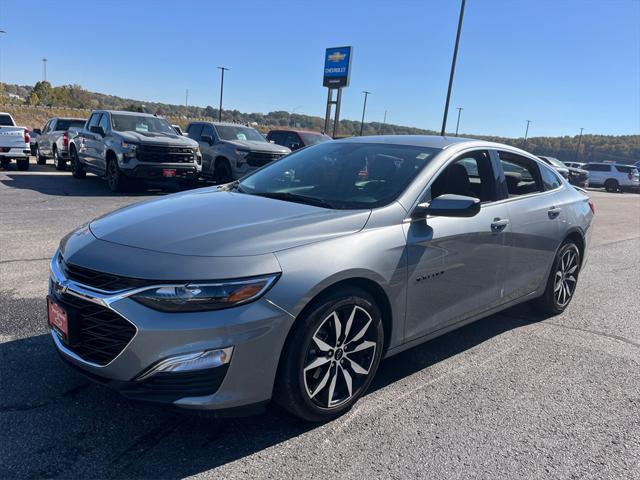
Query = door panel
x=456 y=267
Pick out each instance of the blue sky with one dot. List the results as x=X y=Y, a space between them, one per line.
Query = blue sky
x=564 y=64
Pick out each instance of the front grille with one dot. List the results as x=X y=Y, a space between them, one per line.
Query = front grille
x=258 y=159
x=100 y=280
x=100 y=334
x=162 y=154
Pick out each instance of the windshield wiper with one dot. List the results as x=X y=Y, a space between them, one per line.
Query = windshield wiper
x=292 y=197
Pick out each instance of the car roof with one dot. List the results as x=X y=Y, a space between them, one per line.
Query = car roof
x=296 y=130
x=226 y=124
x=432 y=141
x=72 y=118
x=125 y=112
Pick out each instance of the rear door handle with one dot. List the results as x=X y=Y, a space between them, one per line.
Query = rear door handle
x=499 y=224
x=553 y=212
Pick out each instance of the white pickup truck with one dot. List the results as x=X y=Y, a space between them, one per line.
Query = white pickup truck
x=14 y=143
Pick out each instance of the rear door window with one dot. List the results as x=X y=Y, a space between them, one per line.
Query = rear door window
x=597 y=167
x=549 y=178
x=521 y=174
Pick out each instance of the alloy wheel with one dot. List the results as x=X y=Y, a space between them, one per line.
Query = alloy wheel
x=340 y=356
x=566 y=277
x=56 y=159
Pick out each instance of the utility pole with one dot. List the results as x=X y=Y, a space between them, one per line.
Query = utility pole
x=526 y=132
x=186 y=98
x=578 y=147
x=458 y=122
x=364 y=108
x=222 y=70
x=2 y=32
x=384 y=123
x=44 y=69
x=453 y=69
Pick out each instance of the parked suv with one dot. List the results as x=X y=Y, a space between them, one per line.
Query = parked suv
x=613 y=177
x=230 y=151
x=295 y=139
x=127 y=146
x=53 y=141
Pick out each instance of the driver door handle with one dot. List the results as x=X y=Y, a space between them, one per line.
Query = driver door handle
x=499 y=224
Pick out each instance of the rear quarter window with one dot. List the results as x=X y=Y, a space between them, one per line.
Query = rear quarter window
x=626 y=169
x=549 y=179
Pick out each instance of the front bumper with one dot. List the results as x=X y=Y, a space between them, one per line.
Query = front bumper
x=256 y=331
x=156 y=171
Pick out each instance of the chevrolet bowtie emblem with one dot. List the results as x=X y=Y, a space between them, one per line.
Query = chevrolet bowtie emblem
x=336 y=57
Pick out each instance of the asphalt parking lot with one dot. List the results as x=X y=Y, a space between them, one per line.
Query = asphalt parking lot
x=515 y=395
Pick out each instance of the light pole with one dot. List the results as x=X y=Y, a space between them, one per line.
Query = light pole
x=186 y=98
x=453 y=69
x=2 y=32
x=222 y=70
x=44 y=69
x=578 y=147
x=384 y=123
x=526 y=132
x=458 y=122
x=364 y=108
x=292 y=112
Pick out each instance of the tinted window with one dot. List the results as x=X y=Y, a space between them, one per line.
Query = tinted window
x=278 y=137
x=470 y=175
x=343 y=174
x=5 y=121
x=521 y=174
x=65 y=124
x=597 y=167
x=291 y=139
x=626 y=168
x=207 y=130
x=104 y=122
x=194 y=131
x=95 y=117
x=549 y=179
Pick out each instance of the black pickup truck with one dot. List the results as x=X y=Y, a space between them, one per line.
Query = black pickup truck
x=127 y=146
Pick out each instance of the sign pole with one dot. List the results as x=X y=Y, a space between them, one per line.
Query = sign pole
x=336 y=119
x=327 y=117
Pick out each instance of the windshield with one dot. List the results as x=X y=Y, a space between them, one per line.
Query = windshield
x=313 y=138
x=141 y=124
x=233 y=132
x=341 y=175
x=64 y=124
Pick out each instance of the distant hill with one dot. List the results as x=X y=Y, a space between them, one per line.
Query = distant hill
x=620 y=148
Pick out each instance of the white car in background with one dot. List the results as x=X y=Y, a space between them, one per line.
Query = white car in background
x=14 y=143
x=613 y=177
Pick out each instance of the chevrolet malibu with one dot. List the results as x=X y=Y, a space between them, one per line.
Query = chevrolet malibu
x=293 y=283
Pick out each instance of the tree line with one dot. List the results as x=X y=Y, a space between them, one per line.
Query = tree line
x=620 y=148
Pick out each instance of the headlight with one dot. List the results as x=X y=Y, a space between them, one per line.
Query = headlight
x=130 y=146
x=242 y=153
x=202 y=296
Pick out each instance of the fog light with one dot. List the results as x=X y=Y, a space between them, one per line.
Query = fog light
x=189 y=362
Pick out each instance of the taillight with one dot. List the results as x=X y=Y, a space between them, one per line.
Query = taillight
x=592 y=207
x=65 y=139
x=27 y=139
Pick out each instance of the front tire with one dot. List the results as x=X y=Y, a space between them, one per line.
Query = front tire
x=116 y=180
x=222 y=173
x=40 y=159
x=562 y=281
x=59 y=163
x=77 y=168
x=331 y=356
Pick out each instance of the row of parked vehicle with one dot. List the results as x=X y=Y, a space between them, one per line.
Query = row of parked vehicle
x=124 y=147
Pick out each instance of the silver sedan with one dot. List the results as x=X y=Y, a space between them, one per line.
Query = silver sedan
x=293 y=283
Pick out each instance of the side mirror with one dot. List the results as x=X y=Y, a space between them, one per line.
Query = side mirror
x=294 y=146
x=206 y=138
x=448 y=205
x=97 y=129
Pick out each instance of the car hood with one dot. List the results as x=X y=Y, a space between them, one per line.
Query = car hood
x=210 y=222
x=157 y=139
x=257 y=146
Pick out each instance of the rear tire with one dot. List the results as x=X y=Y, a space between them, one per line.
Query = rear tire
x=562 y=281
x=77 y=168
x=325 y=367
x=4 y=163
x=59 y=163
x=611 y=185
x=40 y=159
x=23 y=164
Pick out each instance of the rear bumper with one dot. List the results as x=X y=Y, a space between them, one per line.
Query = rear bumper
x=15 y=152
